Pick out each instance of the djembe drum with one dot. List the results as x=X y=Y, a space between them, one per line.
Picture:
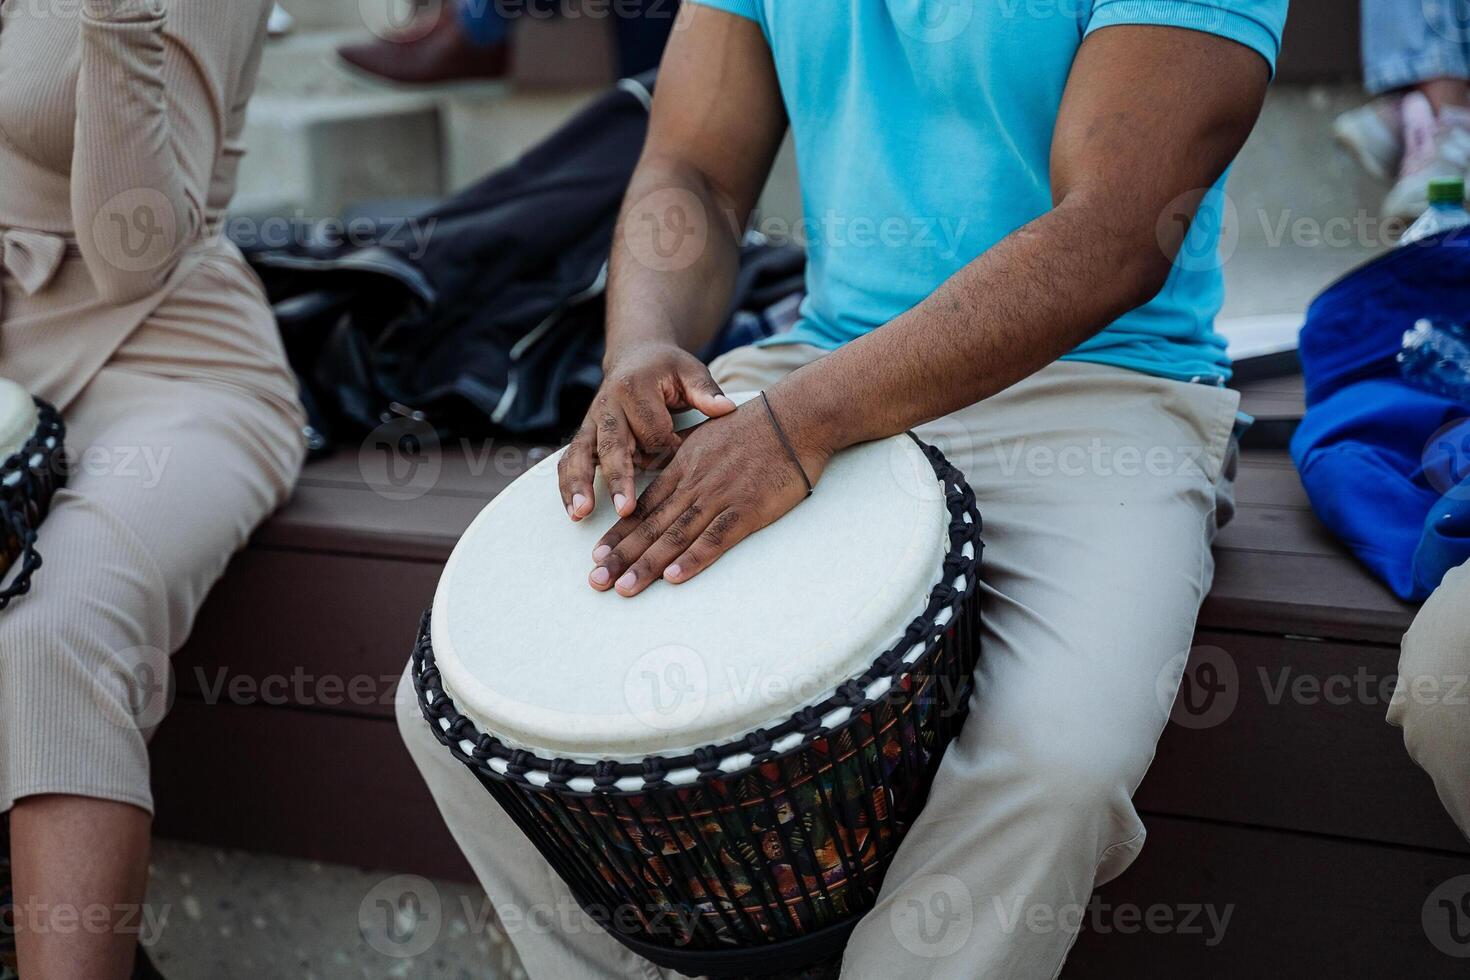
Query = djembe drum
x=721 y=771
x=32 y=439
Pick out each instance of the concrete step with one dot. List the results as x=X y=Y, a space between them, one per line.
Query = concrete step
x=356 y=15
x=323 y=137
x=1305 y=212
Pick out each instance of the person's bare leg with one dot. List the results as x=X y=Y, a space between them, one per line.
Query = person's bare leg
x=80 y=869
x=1443 y=92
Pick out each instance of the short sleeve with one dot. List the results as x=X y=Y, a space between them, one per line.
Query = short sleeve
x=749 y=9
x=1255 y=23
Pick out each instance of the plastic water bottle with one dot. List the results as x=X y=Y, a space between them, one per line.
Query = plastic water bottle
x=1446 y=210
x=1436 y=358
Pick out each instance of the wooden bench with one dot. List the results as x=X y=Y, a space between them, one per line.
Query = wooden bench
x=1299 y=814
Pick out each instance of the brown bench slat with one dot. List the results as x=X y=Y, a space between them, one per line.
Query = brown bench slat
x=1299 y=717
x=1300 y=906
x=1270 y=479
x=328 y=632
x=466 y=468
x=1278 y=531
x=360 y=521
x=1305 y=595
x=309 y=784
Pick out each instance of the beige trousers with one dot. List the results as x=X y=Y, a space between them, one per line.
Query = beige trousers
x=1432 y=701
x=185 y=439
x=1101 y=490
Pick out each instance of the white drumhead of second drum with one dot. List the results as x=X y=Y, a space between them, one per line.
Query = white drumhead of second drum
x=18 y=418
x=535 y=656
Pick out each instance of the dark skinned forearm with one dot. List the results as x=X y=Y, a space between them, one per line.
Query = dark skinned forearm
x=662 y=288
x=1027 y=301
x=717 y=121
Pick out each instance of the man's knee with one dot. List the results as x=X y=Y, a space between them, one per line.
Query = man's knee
x=411 y=723
x=1432 y=698
x=1076 y=775
x=413 y=728
x=1431 y=702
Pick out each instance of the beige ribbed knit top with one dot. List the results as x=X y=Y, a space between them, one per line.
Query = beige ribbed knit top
x=120 y=125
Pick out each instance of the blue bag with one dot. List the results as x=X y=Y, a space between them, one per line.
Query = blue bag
x=1387 y=465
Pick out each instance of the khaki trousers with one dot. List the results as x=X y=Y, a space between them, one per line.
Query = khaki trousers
x=179 y=445
x=1432 y=701
x=1101 y=490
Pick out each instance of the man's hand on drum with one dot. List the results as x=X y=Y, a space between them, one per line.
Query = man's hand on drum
x=728 y=479
x=630 y=425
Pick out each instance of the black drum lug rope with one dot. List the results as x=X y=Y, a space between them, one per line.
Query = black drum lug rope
x=39 y=471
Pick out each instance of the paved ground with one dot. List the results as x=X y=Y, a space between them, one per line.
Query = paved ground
x=228 y=914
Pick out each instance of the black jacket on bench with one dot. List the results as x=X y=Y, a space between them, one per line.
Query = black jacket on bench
x=492 y=322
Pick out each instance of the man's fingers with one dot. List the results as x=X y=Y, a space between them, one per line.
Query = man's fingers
x=652 y=498
x=574 y=474
x=702 y=392
x=638 y=539
x=653 y=430
x=675 y=539
x=728 y=529
x=615 y=454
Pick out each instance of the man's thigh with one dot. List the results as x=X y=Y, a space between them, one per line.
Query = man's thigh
x=1100 y=491
x=757 y=368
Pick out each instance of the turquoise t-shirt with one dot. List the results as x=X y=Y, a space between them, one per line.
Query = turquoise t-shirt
x=923 y=131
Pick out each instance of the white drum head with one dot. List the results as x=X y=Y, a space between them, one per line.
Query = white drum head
x=18 y=418
x=533 y=655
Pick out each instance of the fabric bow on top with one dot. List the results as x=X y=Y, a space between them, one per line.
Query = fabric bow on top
x=31 y=258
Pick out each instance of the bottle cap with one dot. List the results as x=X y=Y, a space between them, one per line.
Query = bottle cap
x=1447 y=190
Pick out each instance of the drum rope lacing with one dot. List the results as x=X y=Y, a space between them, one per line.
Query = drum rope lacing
x=28 y=478
x=453 y=729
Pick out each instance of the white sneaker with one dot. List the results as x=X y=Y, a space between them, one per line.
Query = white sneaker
x=281 y=22
x=1434 y=146
x=1373 y=134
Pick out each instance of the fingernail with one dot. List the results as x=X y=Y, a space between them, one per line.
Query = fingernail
x=673 y=572
x=619 y=502
x=724 y=400
x=600 y=575
x=602 y=552
x=627 y=581
x=579 y=501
